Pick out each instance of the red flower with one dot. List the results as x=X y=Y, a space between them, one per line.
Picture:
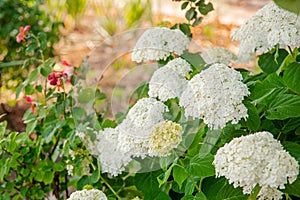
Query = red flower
x=22 y=35
x=29 y=100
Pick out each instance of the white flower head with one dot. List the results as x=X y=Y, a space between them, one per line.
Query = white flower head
x=215 y=95
x=164 y=137
x=268 y=193
x=105 y=148
x=218 y=55
x=134 y=130
x=159 y=43
x=92 y=194
x=256 y=159
x=270 y=26
x=169 y=81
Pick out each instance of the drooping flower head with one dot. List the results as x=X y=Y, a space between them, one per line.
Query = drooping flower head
x=22 y=35
x=256 y=159
x=215 y=95
x=60 y=71
x=159 y=44
x=164 y=137
x=270 y=26
x=218 y=55
x=169 y=81
x=92 y=194
x=134 y=129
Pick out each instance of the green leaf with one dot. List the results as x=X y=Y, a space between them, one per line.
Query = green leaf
x=29 y=89
x=33 y=75
x=283 y=107
x=48 y=177
x=43 y=40
x=19 y=90
x=290 y=5
x=165 y=176
x=86 y=95
x=201 y=166
x=205 y=9
x=253 y=120
x=190 y=14
x=270 y=62
x=31 y=47
x=85 y=180
x=194 y=59
x=291 y=124
x=265 y=91
x=46 y=70
x=179 y=175
x=199 y=196
x=78 y=113
x=212 y=137
x=293 y=149
x=147 y=183
x=31 y=126
x=2 y=128
x=197 y=21
x=185 y=28
x=219 y=188
x=184 y=5
x=293 y=189
x=291 y=77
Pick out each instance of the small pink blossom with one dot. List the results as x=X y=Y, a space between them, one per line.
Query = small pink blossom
x=62 y=117
x=22 y=35
x=28 y=99
x=65 y=63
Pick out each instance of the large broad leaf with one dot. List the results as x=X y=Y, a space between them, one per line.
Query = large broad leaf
x=201 y=166
x=253 y=120
x=216 y=189
x=291 y=77
x=270 y=62
x=290 y=5
x=293 y=189
x=212 y=137
x=293 y=149
x=283 y=107
x=179 y=175
x=263 y=92
x=148 y=184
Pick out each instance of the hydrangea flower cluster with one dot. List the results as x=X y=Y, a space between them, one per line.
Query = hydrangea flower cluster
x=218 y=55
x=92 y=194
x=215 y=95
x=268 y=193
x=270 y=26
x=159 y=44
x=164 y=137
x=256 y=159
x=137 y=136
x=169 y=81
x=134 y=130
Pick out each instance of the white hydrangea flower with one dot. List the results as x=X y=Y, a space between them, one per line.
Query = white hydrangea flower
x=218 y=55
x=256 y=159
x=159 y=43
x=215 y=95
x=164 y=137
x=169 y=81
x=105 y=148
x=268 y=193
x=92 y=194
x=134 y=129
x=270 y=26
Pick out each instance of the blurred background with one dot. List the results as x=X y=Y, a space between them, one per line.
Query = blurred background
x=106 y=31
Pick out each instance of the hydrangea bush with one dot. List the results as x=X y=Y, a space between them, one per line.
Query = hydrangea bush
x=198 y=130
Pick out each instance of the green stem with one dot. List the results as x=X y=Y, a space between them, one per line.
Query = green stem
x=254 y=193
x=110 y=187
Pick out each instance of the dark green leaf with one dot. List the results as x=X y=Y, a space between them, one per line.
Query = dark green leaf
x=201 y=166
x=290 y=5
x=291 y=124
x=190 y=14
x=283 y=107
x=46 y=70
x=205 y=9
x=31 y=126
x=29 y=89
x=293 y=149
x=43 y=40
x=185 y=28
x=293 y=189
x=197 y=21
x=270 y=62
x=179 y=175
x=31 y=47
x=184 y=5
x=216 y=189
x=253 y=120
x=291 y=77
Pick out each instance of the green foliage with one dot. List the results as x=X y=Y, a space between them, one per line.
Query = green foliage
x=290 y=5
